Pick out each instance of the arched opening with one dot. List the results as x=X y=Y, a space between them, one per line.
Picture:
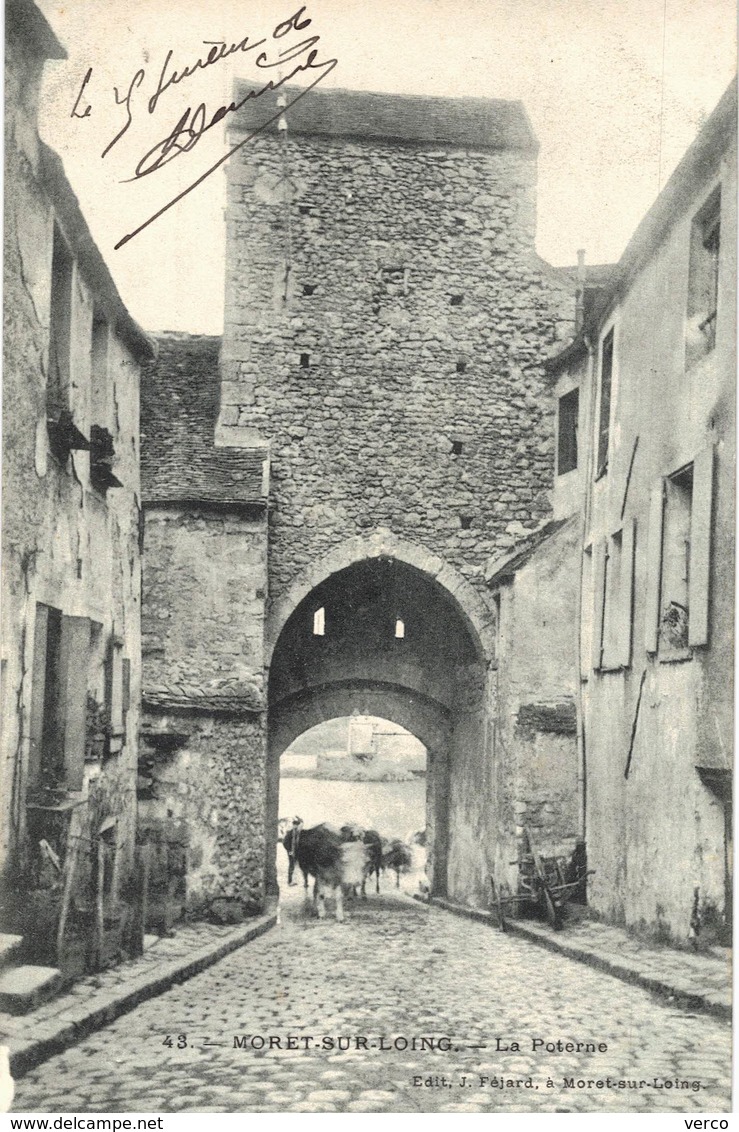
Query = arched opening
x=360 y=770
x=394 y=645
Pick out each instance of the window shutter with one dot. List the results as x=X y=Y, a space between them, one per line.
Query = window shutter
x=626 y=593
x=700 y=548
x=599 y=593
x=75 y=649
x=126 y=679
x=654 y=567
x=38 y=692
x=116 y=695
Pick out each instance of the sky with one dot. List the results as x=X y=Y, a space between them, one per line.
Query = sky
x=616 y=90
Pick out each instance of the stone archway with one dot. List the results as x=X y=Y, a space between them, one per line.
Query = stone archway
x=382 y=543
x=430 y=680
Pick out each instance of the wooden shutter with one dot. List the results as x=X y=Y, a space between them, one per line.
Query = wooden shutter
x=599 y=595
x=75 y=652
x=700 y=548
x=126 y=680
x=653 y=580
x=116 y=695
x=626 y=593
x=38 y=692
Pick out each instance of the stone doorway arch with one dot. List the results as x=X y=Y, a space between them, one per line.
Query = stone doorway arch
x=336 y=650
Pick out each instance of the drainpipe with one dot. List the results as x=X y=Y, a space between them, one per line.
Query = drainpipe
x=580 y=292
x=584 y=526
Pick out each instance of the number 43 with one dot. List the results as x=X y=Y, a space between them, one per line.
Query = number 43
x=181 y=1041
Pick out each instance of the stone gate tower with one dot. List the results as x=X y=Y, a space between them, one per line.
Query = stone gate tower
x=387 y=320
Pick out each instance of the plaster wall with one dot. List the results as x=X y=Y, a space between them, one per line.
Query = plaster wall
x=656 y=836
x=66 y=543
x=536 y=751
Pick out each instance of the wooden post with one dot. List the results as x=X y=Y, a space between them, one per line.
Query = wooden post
x=70 y=865
x=99 y=908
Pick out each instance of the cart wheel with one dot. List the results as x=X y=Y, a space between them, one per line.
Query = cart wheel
x=554 y=914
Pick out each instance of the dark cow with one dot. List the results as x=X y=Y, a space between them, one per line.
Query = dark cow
x=398 y=857
x=322 y=853
x=373 y=845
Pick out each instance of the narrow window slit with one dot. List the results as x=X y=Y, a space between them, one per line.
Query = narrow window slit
x=304 y=361
x=457 y=447
x=400 y=629
x=319 y=622
x=465 y=522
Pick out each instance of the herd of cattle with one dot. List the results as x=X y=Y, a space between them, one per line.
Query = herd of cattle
x=342 y=860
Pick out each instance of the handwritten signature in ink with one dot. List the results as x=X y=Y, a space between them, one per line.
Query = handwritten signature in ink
x=194 y=123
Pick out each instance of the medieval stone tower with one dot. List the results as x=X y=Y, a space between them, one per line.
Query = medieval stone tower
x=386 y=317
x=386 y=322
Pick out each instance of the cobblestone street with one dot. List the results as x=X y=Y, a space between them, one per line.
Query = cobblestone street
x=396 y=970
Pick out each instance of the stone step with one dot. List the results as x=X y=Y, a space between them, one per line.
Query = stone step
x=24 y=988
x=10 y=946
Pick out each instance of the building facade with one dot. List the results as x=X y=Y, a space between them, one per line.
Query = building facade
x=653 y=375
x=71 y=553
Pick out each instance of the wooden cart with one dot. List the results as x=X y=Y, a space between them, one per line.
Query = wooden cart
x=542 y=886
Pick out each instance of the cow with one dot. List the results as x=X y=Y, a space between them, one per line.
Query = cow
x=321 y=853
x=372 y=841
x=398 y=857
x=373 y=845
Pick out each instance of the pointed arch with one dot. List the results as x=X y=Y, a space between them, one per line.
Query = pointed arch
x=382 y=543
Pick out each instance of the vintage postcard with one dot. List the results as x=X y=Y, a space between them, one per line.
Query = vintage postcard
x=368 y=557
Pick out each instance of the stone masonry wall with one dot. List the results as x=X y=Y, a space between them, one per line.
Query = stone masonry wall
x=205 y=799
x=406 y=389
x=205 y=578
x=203 y=770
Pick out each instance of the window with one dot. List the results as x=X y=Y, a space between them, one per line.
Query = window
x=58 y=699
x=457 y=447
x=604 y=413
x=60 y=327
x=673 y=621
x=319 y=622
x=64 y=436
x=99 y=390
x=679 y=560
x=400 y=629
x=567 y=416
x=705 y=239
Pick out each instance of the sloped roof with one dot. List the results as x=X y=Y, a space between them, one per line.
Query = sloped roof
x=29 y=21
x=503 y=568
x=470 y=123
x=691 y=174
x=179 y=407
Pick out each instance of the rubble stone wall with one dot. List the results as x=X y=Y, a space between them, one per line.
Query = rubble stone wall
x=386 y=319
